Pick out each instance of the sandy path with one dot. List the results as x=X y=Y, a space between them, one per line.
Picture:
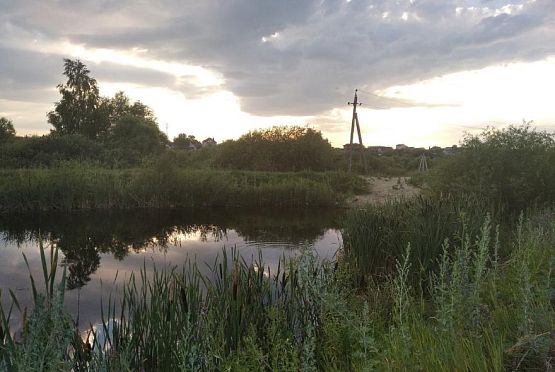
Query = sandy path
x=381 y=189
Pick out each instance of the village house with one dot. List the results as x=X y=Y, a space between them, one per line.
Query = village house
x=379 y=149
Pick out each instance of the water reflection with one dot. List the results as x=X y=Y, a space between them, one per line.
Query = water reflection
x=96 y=245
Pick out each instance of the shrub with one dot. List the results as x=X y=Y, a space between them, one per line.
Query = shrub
x=512 y=167
x=277 y=149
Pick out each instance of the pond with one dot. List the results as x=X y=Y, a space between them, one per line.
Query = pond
x=100 y=250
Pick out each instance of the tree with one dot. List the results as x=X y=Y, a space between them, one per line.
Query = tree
x=292 y=148
x=133 y=137
x=120 y=106
x=81 y=110
x=7 y=130
x=186 y=142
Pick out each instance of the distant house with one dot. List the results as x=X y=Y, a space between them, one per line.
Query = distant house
x=379 y=149
x=354 y=146
x=401 y=146
x=450 y=150
x=209 y=142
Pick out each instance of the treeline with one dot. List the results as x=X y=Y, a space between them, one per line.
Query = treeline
x=86 y=127
x=115 y=132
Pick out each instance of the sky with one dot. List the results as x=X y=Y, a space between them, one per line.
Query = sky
x=427 y=71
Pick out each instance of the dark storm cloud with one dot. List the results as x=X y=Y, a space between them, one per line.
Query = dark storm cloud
x=297 y=57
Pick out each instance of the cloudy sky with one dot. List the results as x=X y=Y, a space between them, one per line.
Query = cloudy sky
x=426 y=70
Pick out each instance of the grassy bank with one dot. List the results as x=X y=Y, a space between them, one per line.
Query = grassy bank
x=86 y=187
x=376 y=237
x=483 y=301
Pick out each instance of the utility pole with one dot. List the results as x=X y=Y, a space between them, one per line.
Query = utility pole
x=423 y=166
x=354 y=121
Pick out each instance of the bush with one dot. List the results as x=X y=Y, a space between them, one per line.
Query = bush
x=512 y=167
x=277 y=149
x=48 y=151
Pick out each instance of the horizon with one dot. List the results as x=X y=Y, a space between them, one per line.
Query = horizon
x=427 y=72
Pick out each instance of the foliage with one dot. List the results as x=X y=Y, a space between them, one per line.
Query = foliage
x=49 y=151
x=7 y=130
x=80 y=110
x=132 y=138
x=47 y=333
x=512 y=167
x=120 y=107
x=186 y=142
x=128 y=131
x=391 y=163
x=291 y=148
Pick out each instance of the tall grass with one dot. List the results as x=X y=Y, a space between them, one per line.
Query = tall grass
x=481 y=312
x=47 y=333
x=241 y=314
x=75 y=187
x=375 y=237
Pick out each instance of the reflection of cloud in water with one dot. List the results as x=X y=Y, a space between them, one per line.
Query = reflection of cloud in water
x=101 y=250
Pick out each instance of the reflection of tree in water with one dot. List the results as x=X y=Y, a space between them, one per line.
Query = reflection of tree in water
x=82 y=261
x=301 y=228
x=207 y=232
x=83 y=237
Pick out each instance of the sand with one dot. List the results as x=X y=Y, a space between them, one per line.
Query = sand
x=382 y=189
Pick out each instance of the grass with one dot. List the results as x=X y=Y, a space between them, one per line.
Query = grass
x=86 y=187
x=470 y=308
x=376 y=237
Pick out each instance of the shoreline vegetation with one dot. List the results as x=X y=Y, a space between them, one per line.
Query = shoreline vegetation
x=481 y=299
x=84 y=187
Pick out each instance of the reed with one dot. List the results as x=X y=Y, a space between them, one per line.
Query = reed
x=376 y=236
x=239 y=312
x=87 y=187
x=47 y=333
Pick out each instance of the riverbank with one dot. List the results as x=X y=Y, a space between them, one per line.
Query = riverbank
x=85 y=187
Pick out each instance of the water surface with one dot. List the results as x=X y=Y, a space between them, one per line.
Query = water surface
x=101 y=249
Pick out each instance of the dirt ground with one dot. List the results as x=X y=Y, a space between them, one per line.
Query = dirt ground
x=381 y=189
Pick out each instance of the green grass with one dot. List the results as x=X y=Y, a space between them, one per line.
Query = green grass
x=376 y=237
x=75 y=187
